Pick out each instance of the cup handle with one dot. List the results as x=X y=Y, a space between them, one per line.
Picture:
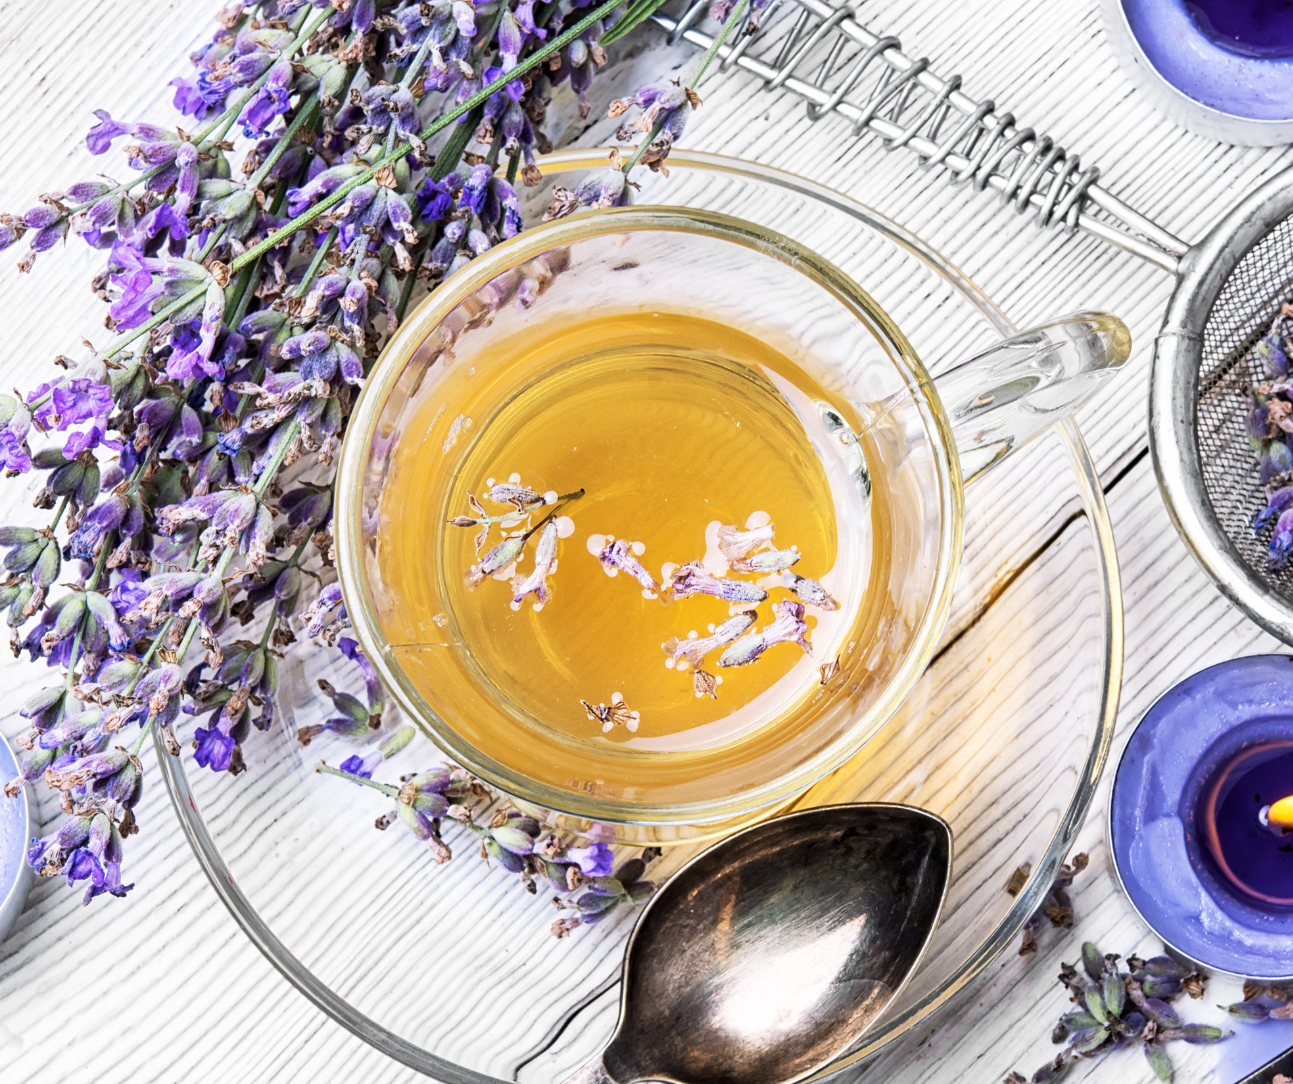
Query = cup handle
x=1005 y=396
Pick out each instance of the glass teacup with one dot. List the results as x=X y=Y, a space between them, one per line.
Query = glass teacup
x=897 y=451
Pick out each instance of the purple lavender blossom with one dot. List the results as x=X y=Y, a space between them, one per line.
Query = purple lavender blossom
x=1281 y=541
x=595 y=860
x=99 y=138
x=691 y=579
x=201 y=412
x=618 y=556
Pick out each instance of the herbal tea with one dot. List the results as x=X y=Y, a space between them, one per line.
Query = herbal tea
x=647 y=532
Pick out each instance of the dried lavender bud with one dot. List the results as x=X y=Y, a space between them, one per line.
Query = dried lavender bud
x=1095 y=1004
x=497 y=559
x=1158 y=1060
x=1200 y=1034
x=809 y=591
x=510 y=493
x=1164 y=967
x=1252 y=1012
x=768 y=561
x=1161 y=988
x=1092 y=961
x=1086 y=1042
x=692 y=651
x=545 y=561
x=691 y=579
x=618 y=556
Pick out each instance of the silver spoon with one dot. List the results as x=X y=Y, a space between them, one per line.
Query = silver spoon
x=767 y=956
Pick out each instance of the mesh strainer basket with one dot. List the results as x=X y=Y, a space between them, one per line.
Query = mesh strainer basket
x=1229 y=286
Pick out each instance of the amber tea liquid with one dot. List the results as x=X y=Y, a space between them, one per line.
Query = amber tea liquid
x=672 y=425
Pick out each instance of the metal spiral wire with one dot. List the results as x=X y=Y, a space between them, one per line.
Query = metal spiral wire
x=820 y=52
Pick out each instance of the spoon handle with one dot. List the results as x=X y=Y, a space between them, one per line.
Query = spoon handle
x=592 y=1073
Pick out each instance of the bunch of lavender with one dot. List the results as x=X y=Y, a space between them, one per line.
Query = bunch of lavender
x=256 y=256
x=1270 y=433
x=581 y=876
x=1116 y=1008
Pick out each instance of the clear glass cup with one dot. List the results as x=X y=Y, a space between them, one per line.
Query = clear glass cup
x=911 y=443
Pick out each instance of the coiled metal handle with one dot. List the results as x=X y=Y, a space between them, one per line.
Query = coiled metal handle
x=820 y=52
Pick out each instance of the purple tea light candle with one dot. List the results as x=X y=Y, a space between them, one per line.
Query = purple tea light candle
x=1190 y=829
x=1222 y=68
x=1241 y=846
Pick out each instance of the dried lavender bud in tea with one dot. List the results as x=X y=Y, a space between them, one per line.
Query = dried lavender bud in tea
x=691 y=579
x=692 y=651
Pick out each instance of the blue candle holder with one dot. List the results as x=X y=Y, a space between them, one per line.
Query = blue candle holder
x=1209 y=881
x=16 y=828
x=1221 y=68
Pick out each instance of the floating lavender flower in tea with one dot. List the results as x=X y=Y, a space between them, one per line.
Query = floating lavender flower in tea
x=618 y=714
x=508 y=552
x=691 y=579
x=765 y=562
x=809 y=591
x=788 y=627
x=620 y=555
x=737 y=544
x=545 y=563
x=690 y=651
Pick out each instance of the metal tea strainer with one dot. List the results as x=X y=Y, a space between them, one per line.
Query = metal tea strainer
x=1229 y=285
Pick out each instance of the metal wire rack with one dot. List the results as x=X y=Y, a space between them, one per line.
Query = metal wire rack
x=822 y=53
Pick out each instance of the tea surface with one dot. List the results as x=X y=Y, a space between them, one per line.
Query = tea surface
x=672 y=426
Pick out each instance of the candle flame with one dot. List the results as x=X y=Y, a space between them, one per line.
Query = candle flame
x=1281 y=813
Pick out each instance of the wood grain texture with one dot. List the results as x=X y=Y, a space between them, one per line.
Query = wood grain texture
x=164 y=985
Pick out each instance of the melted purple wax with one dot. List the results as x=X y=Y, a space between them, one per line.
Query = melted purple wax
x=1250 y=27
x=1234 y=56
x=1252 y=858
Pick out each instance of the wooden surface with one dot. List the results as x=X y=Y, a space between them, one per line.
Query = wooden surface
x=163 y=987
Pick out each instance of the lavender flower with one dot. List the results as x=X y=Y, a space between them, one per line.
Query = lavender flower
x=363 y=765
x=788 y=627
x=693 y=651
x=809 y=591
x=160 y=455
x=545 y=560
x=618 y=556
x=736 y=544
x=691 y=579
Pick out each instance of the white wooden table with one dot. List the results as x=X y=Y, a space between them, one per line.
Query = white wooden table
x=162 y=986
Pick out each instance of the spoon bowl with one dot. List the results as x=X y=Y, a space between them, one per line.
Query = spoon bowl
x=771 y=953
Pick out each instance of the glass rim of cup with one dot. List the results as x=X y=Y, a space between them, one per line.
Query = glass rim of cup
x=431 y=313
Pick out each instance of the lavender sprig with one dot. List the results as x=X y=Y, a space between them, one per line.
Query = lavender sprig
x=256 y=255
x=515 y=841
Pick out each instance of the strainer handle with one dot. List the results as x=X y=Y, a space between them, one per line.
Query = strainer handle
x=838 y=65
x=1005 y=396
